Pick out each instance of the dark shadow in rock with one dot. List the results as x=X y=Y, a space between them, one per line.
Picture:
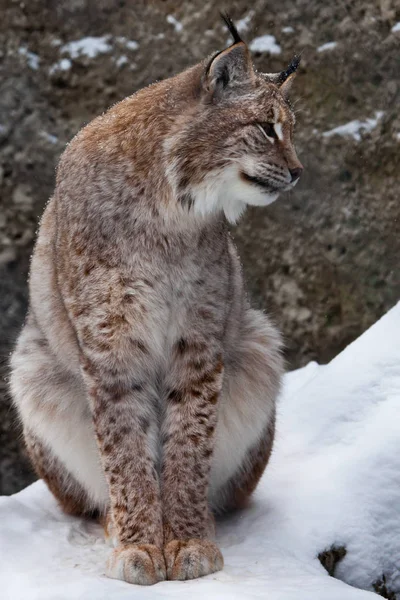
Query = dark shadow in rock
x=330 y=558
x=381 y=589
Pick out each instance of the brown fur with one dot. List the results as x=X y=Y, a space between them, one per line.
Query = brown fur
x=145 y=382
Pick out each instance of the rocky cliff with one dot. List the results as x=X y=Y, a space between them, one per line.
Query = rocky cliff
x=322 y=260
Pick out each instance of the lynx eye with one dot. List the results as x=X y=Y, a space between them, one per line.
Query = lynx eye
x=268 y=129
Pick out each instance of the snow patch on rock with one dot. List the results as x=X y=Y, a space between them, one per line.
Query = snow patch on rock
x=173 y=21
x=355 y=128
x=52 y=139
x=242 y=25
x=62 y=65
x=327 y=46
x=88 y=46
x=265 y=43
x=32 y=59
x=130 y=44
x=121 y=60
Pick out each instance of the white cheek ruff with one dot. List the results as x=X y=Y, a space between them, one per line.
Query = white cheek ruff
x=216 y=193
x=262 y=198
x=225 y=190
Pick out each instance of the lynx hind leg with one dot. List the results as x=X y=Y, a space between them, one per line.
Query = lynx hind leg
x=246 y=421
x=236 y=492
x=69 y=494
x=56 y=419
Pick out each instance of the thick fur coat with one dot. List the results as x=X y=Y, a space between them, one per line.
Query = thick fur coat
x=145 y=383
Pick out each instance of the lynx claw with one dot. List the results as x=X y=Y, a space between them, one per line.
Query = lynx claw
x=189 y=559
x=142 y=564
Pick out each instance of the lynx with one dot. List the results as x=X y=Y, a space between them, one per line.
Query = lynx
x=145 y=383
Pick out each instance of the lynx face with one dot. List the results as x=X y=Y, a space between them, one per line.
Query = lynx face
x=235 y=147
x=254 y=156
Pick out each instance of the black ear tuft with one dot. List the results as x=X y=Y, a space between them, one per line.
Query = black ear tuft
x=232 y=28
x=292 y=68
x=229 y=69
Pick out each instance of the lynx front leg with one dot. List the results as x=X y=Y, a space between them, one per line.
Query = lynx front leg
x=188 y=439
x=124 y=418
x=125 y=427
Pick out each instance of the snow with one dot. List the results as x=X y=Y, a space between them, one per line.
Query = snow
x=327 y=46
x=32 y=59
x=265 y=43
x=52 y=139
x=90 y=47
x=355 y=128
x=396 y=27
x=287 y=29
x=87 y=46
x=177 y=24
x=242 y=25
x=130 y=44
x=334 y=479
x=121 y=60
x=62 y=65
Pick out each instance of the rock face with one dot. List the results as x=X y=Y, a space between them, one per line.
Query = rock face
x=324 y=259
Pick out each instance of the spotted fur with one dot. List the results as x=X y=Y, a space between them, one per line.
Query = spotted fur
x=145 y=383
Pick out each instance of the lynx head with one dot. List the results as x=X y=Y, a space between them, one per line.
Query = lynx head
x=233 y=144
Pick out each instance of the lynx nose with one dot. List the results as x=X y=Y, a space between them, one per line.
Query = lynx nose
x=295 y=173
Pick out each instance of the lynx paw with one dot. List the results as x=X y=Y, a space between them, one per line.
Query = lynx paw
x=192 y=558
x=142 y=564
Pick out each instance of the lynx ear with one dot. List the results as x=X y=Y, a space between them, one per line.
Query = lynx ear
x=230 y=67
x=287 y=84
x=284 y=79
